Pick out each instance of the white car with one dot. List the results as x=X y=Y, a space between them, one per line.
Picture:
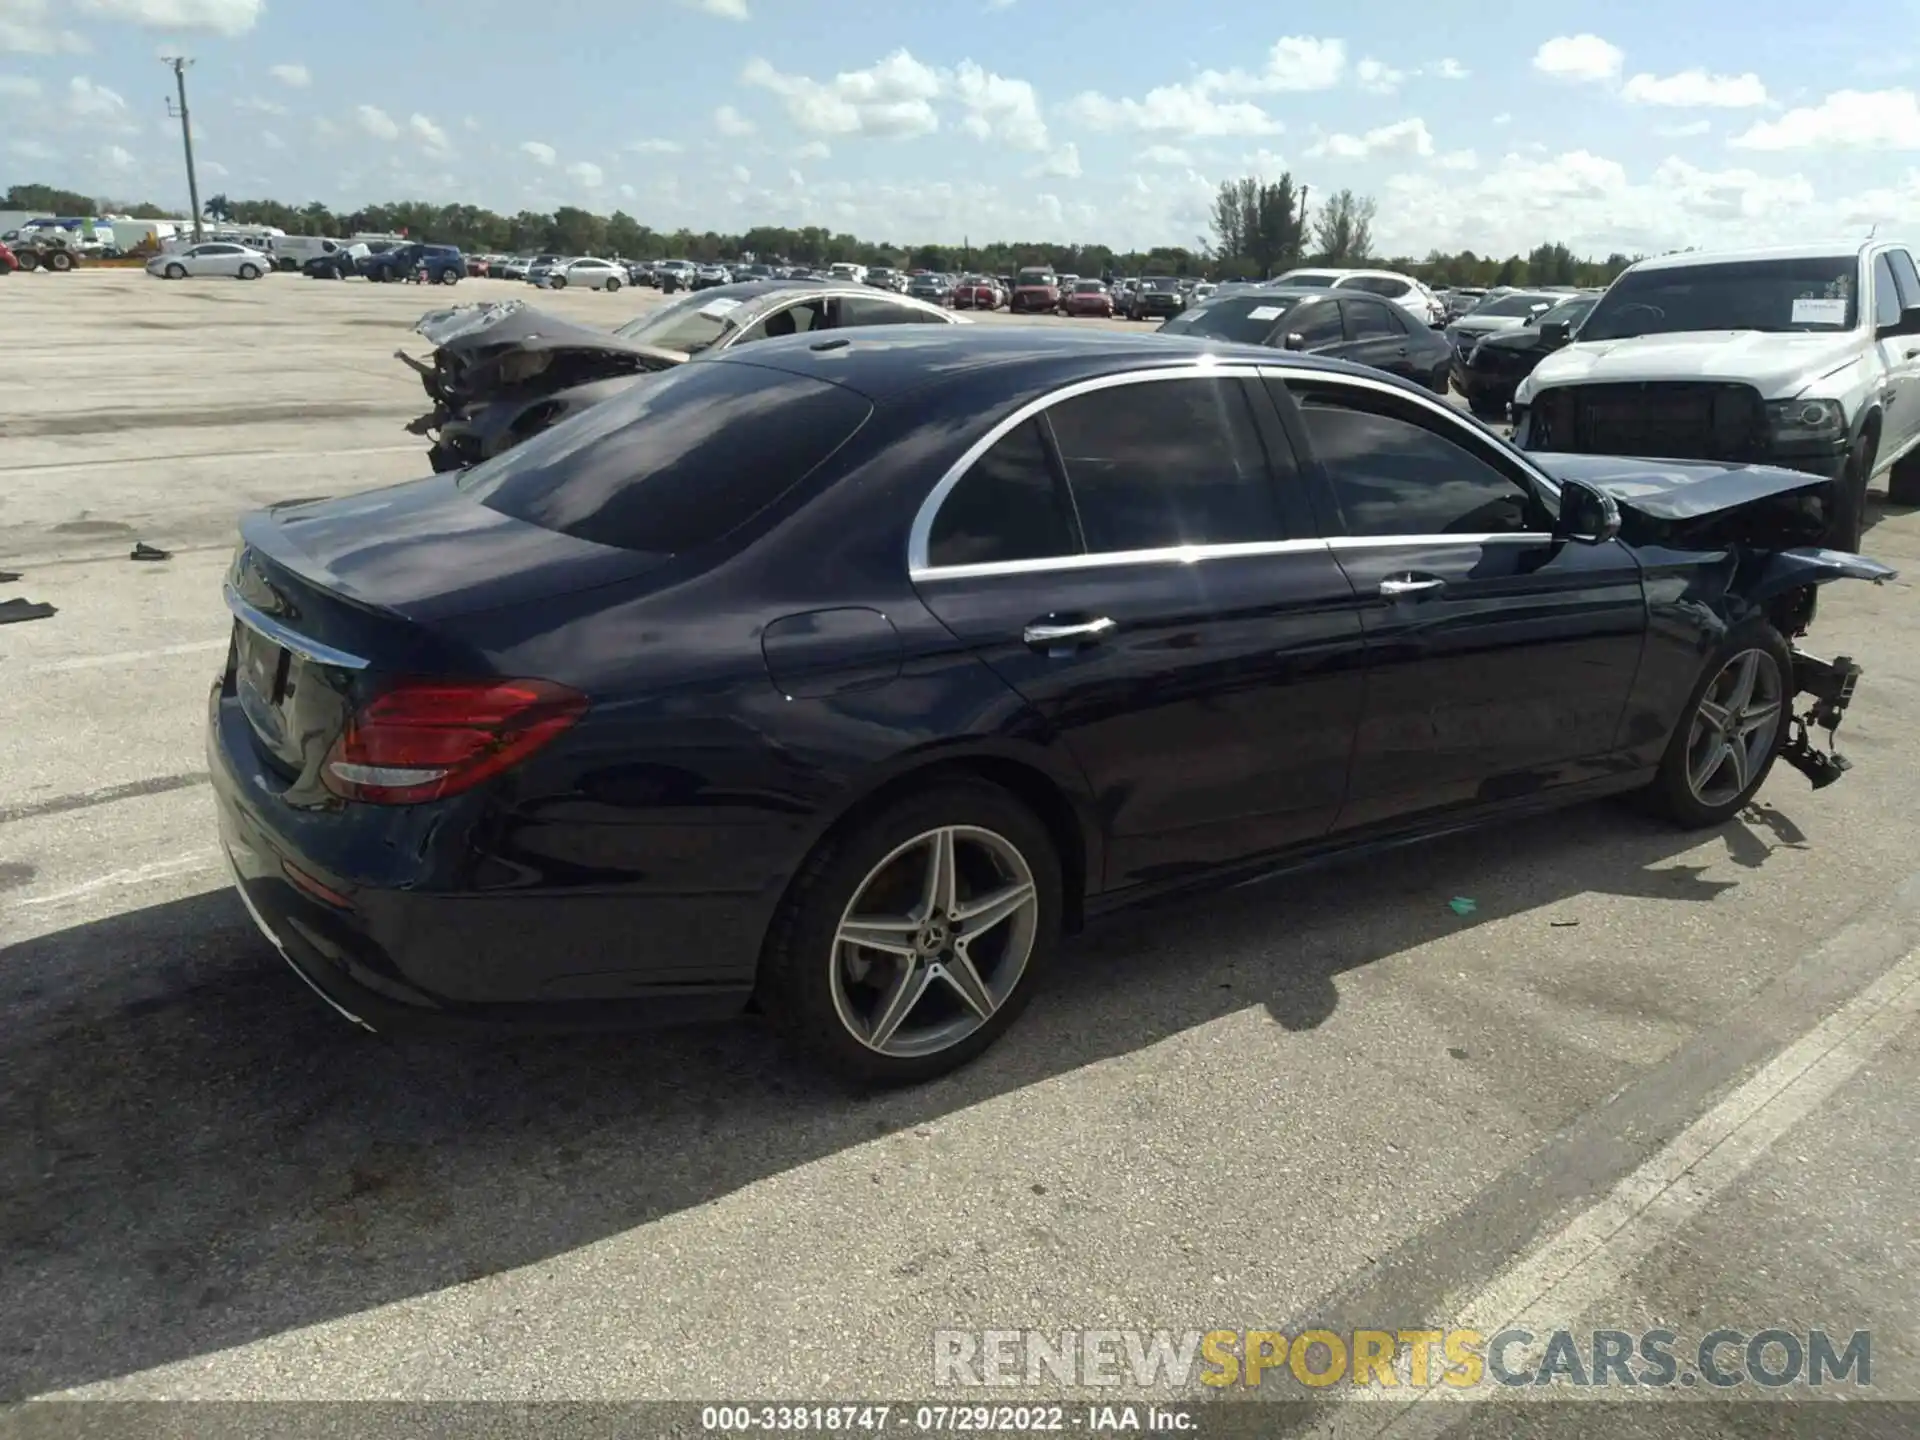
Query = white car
x=588 y=272
x=1408 y=293
x=215 y=257
x=1805 y=357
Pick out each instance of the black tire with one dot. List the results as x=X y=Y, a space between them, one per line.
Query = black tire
x=1849 y=520
x=557 y=282
x=1486 y=409
x=176 y=272
x=796 y=987
x=1671 y=794
x=29 y=260
x=59 y=261
x=613 y=284
x=1903 y=480
x=248 y=272
x=449 y=277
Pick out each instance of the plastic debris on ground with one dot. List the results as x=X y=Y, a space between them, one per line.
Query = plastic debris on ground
x=144 y=551
x=1460 y=905
x=13 y=610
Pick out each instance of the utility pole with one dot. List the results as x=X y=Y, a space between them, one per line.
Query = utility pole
x=179 y=64
x=1304 y=191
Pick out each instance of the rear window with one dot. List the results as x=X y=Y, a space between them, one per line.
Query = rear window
x=1244 y=319
x=678 y=461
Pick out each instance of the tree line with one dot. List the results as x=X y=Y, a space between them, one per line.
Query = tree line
x=1259 y=228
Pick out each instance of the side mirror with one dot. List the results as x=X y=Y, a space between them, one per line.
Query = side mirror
x=1907 y=324
x=1587 y=515
x=1556 y=332
x=1294 y=341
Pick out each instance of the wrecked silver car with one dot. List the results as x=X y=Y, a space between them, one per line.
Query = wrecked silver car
x=503 y=372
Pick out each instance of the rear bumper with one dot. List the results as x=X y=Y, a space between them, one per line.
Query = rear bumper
x=386 y=955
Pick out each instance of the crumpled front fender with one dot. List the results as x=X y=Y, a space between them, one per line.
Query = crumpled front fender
x=1786 y=570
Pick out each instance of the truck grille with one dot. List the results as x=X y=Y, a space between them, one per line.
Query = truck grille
x=1674 y=420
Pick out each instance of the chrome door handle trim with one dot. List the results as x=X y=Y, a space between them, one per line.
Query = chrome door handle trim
x=1393 y=589
x=1067 y=634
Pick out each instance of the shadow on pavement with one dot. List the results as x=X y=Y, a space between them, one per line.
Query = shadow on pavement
x=194 y=1153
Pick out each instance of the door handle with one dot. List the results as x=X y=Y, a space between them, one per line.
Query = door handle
x=1400 y=587
x=1042 y=635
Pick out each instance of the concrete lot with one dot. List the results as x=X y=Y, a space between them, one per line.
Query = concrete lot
x=1328 y=1098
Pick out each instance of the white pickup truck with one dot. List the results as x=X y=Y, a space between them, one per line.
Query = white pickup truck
x=1807 y=358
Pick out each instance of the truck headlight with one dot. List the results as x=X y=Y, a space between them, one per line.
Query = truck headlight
x=1806 y=422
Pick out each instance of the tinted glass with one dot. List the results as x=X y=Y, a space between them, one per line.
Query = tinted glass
x=677 y=461
x=1243 y=319
x=1309 y=279
x=1394 y=474
x=1509 y=306
x=1317 y=325
x=1377 y=285
x=1009 y=506
x=1370 y=320
x=689 y=324
x=1886 y=295
x=1768 y=295
x=1909 y=279
x=1166 y=462
x=860 y=310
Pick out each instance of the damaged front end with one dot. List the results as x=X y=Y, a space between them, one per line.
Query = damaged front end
x=1769 y=523
x=496 y=367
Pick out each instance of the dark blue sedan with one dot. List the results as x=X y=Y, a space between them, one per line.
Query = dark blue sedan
x=839 y=676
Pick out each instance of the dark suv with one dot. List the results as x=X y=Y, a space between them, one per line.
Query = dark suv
x=439 y=264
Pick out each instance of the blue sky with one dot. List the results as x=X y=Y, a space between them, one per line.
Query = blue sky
x=1489 y=125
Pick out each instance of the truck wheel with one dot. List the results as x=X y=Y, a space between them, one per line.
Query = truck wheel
x=29 y=260
x=1903 y=481
x=1849 y=518
x=59 y=261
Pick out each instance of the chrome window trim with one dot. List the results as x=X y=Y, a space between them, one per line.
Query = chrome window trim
x=1492 y=537
x=1167 y=555
x=1437 y=408
x=1199 y=368
x=292 y=640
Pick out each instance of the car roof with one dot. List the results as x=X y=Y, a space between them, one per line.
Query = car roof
x=1759 y=252
x=885 y=362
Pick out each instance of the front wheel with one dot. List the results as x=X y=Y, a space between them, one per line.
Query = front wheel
x=249 y=272
x=449 y=277
x=1731 y=730
x=59 y=261
x=910 y=943
x=1903 y=480
x=1849 y=520
x=176 y=272
x=613 y=284
x=558 y=282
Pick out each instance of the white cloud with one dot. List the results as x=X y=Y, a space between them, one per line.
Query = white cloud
x=1503 y=118
x=725 y=9
x=29 y=150
x=27 y=28
x=255 y=105
x=1447 y=68
x=432 y=138
x=1377 y=77
x=628 y=192
x=376 y=122
x=91 y=101
x=729 y=121
x=1165 y=155
x=272 y=141
x=293 y=75
x=1294 y=63
x=999 y=109
x=891 y=98
x=470 y=124
x=1697 y=89
x=1184 y=110
x=654 y=147
x=587 y=173
x=213 y=169
x=19 y=87
x=1846 y=119
x=221 y=17
x=1403 y=137
x=539 y=150
x=116 y=157
x=742 y=175
x=814 y=150
x=325 y=128
x=1579 y=57
x=1064 y=162
x=1684 y=130
x=1459 y=160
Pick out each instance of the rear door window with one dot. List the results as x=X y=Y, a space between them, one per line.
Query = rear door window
x=1009 y=506
x=1316 y=325
x=675 y=462
x=1162 y=463
x=1371 y=320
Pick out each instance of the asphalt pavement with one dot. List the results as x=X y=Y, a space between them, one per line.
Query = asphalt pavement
x=1649 y=1079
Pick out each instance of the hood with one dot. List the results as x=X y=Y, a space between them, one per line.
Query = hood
x=1487 y=324
x=1678 y=489
x=1778 y=365
x=466 y=330
x=1525 y=338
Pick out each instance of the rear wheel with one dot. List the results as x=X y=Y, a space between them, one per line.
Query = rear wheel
x=913 y=940
x=1731 y=730
x=449 y=277
x=1903 y=480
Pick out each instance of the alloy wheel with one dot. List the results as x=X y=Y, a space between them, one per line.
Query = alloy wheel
x=934 y=941
x=1734 y=727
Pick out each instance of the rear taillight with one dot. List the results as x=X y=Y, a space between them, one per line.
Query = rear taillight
x=426 y=739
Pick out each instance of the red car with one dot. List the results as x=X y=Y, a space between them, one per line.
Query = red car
x=976 y=293
x=8 y=261
x=1035 y=290
x=1089 y=297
